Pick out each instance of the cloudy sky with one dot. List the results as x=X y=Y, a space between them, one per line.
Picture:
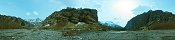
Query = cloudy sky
x=117 y=11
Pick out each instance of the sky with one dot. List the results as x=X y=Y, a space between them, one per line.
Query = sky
x=117 y=11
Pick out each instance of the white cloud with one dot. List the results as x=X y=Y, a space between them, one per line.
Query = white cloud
x=35 y=13
x=2 y=12
x=148 y=3
x=28 y=13
x=32 y=13
x=118 y=9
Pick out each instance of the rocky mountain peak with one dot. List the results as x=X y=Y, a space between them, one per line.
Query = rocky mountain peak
x=150 y=18
x=72 y=16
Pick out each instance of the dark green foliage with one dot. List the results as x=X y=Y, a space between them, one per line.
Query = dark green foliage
x=150 y=18
x=106 y=27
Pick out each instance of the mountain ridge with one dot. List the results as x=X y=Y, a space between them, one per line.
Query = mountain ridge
x=147 y=20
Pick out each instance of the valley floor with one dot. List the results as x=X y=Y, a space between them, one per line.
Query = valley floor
x=32 y=34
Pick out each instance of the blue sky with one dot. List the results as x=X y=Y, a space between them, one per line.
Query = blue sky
x=117 y=11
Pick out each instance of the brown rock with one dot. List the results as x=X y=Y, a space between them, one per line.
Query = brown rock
x=157 y=19
x=69 y=17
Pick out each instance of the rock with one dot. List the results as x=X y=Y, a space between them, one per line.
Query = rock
x=72 y=18
x=151 y=20
x=10 y=22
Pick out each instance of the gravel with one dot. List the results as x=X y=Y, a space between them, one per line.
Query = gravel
x=25 y=34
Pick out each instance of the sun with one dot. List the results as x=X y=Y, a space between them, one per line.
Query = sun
x=123 y=10
x=125 y=5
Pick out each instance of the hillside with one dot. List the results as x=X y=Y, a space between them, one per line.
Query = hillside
x=72 y=18
x=152 y=20
x=10 y=22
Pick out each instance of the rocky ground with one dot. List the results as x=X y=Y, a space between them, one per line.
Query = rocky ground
x=33 y=34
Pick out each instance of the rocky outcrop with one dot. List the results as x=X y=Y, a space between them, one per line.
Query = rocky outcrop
x=10 y=22
x=72 y=18
x=152 y=20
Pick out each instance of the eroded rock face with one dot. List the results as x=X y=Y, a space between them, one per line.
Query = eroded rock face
x=152 y=20
x=71 y=16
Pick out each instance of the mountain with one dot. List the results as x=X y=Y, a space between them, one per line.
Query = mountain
x=36 y=22
x=73 y=18
x=10 y=22
x=152 y=20
x=111 y=24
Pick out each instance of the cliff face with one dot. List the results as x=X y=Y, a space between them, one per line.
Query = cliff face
x=152 y=20
x=10 y=22
x=72 y=18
